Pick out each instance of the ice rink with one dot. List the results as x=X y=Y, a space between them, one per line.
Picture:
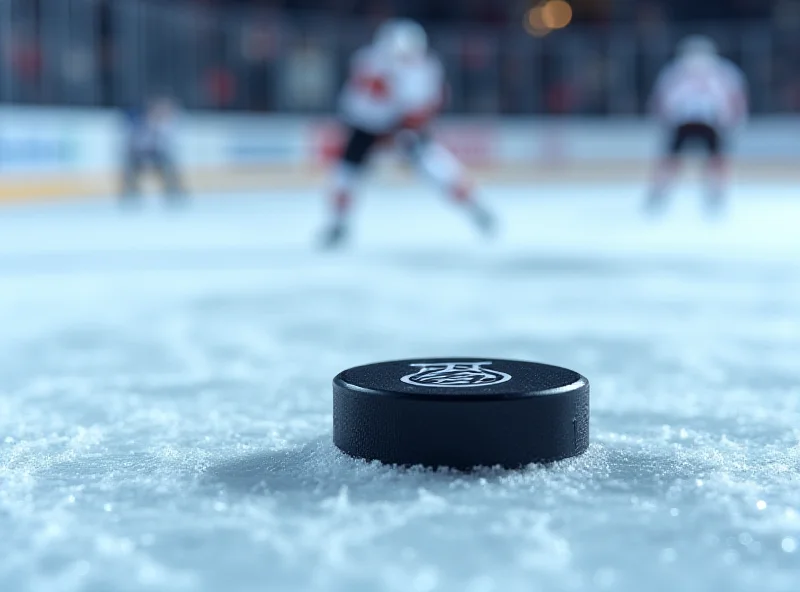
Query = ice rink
x=165 y=400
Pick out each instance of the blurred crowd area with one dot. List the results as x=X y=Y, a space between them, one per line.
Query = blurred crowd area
x=292 y=55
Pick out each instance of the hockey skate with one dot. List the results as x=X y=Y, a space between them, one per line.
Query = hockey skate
x=334 y=236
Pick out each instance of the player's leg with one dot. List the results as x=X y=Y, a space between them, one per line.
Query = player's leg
x=439 y=165
x=716 y=171
x=667 y=169
x=132 y=167
x=345 y=176
x=167 y=171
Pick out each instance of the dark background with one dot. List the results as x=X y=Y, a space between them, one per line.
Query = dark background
x=291 y=56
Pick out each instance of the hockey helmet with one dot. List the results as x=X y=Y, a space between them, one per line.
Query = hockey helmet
x=697 y=45
x=402 y=38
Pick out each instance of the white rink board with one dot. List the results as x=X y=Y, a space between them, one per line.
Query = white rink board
x=36 y=141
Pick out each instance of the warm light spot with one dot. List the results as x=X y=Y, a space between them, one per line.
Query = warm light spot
x=534 y=24
x=556 y=14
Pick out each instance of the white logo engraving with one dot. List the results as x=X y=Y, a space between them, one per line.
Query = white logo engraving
x=455 y=374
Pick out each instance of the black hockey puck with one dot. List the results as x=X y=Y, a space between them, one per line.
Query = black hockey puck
x=461 y=412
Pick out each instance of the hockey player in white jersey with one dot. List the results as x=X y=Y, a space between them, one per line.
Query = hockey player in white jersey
x=700 y=98
x=395 y=89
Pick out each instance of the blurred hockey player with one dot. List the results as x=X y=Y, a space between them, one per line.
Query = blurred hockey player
x=395 y=89
x=149 y=145
x=700 y=98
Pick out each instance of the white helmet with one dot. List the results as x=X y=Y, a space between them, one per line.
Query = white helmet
x=402 y=38
x=697 y=45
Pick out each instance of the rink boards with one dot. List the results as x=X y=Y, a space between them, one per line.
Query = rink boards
x=55 y=153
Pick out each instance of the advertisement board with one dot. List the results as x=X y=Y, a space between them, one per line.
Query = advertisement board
x=48 y=152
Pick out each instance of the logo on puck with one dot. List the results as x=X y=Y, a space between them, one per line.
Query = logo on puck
x=455 y=374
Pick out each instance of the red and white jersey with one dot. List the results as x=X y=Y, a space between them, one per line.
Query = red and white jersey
x=384 y=94
x=701 y=89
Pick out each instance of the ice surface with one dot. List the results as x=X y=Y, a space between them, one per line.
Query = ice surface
x=165 y=402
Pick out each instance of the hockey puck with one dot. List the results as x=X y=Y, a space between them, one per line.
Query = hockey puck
x=461 y=412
